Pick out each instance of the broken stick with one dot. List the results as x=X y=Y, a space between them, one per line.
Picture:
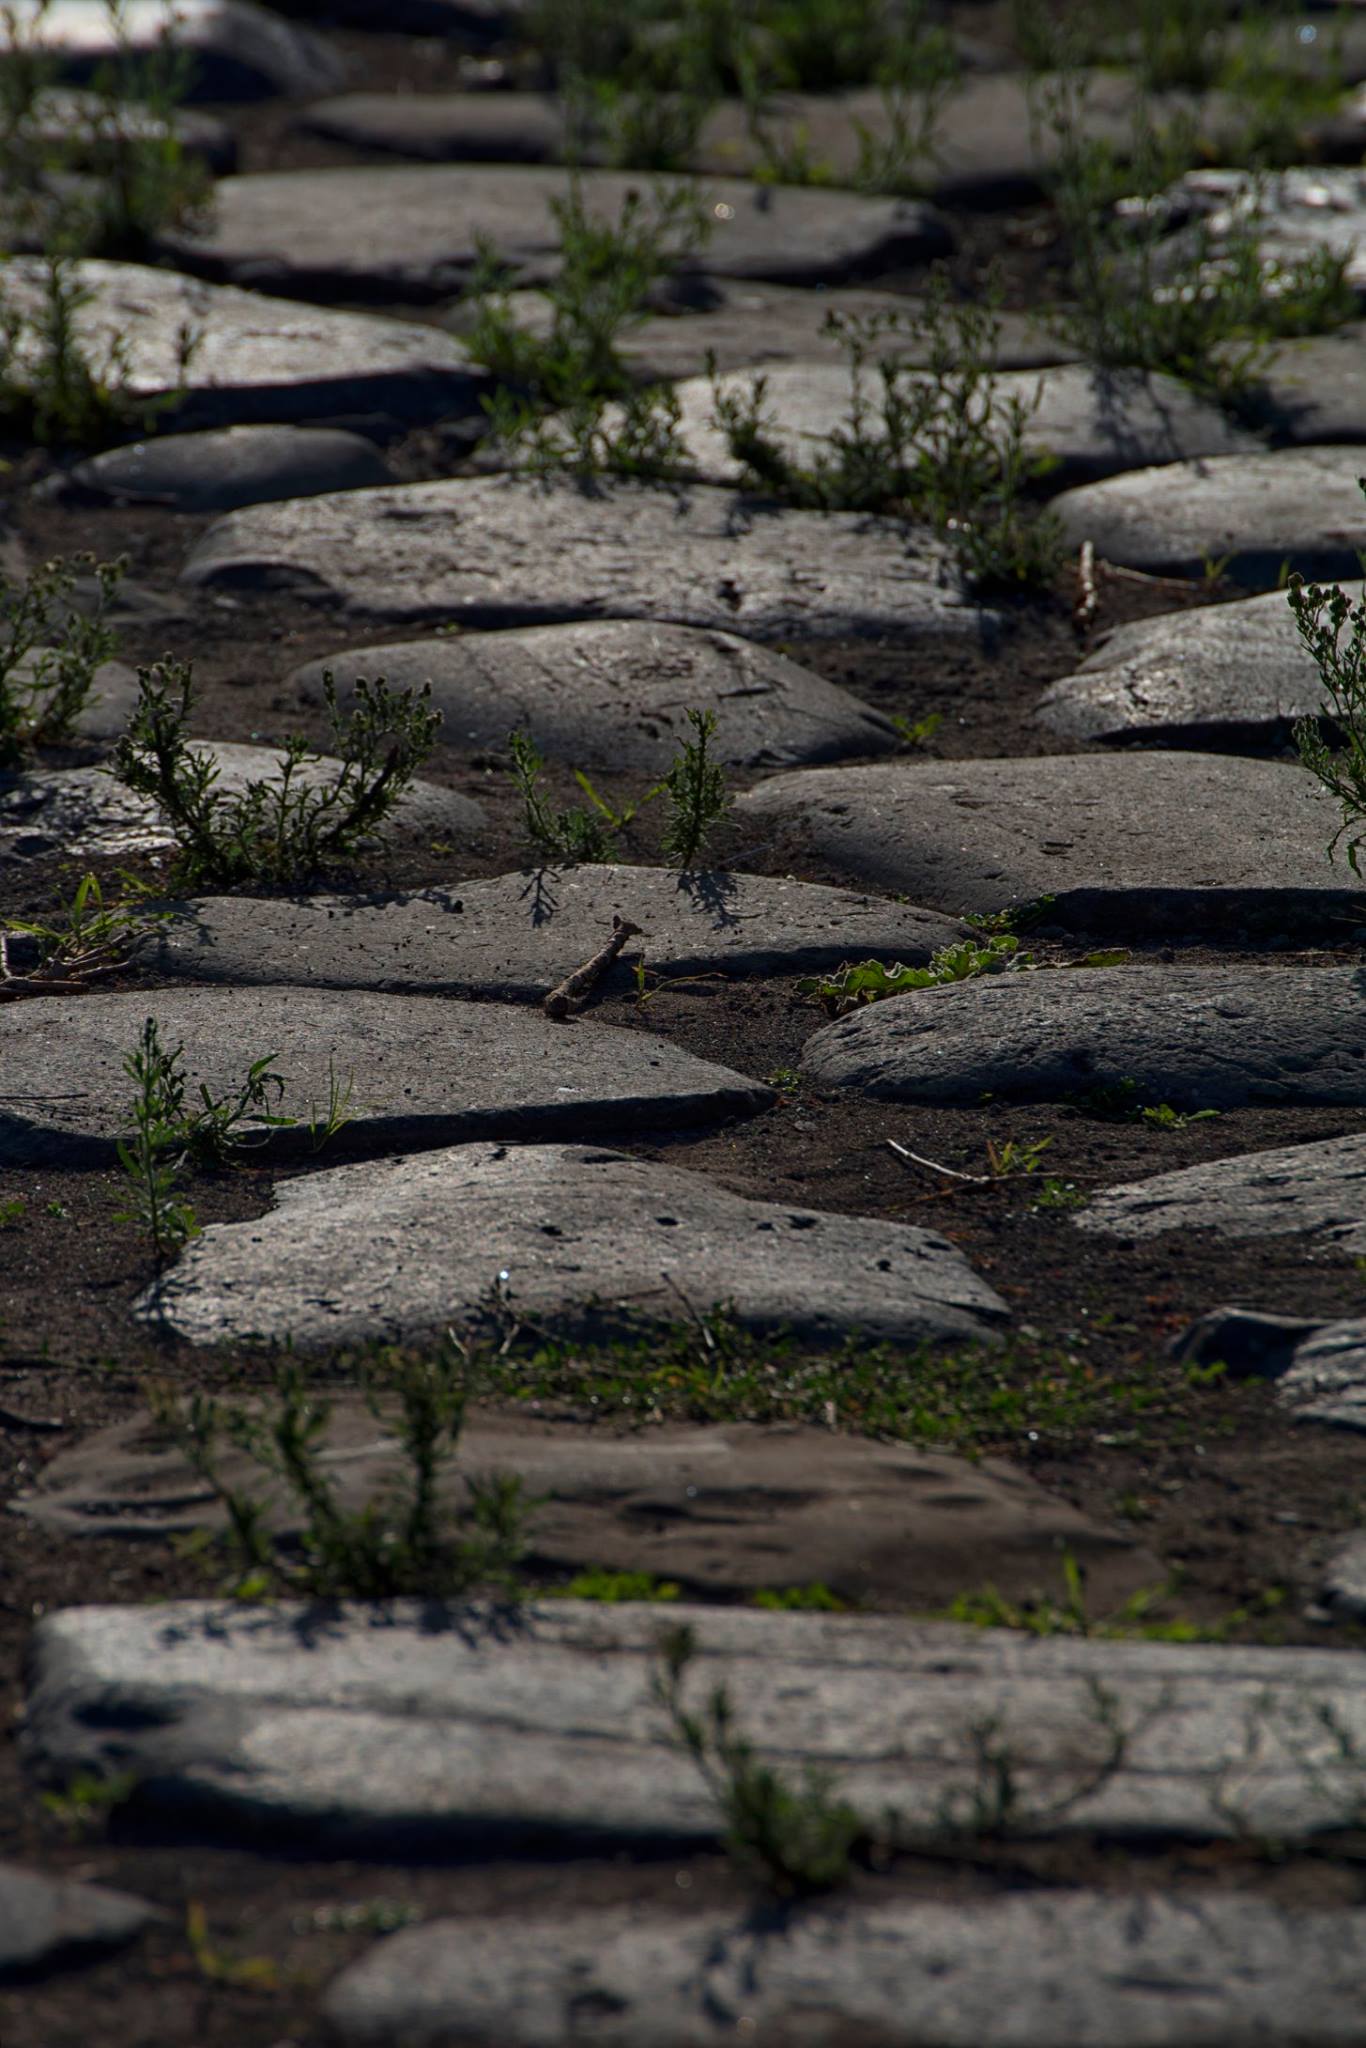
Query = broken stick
x=573 y=992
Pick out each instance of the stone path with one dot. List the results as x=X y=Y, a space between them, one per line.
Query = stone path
x=508 y=551
x=1317 y=1189
x=584 y=1238
x=516 y=937
x=1120 y=844
x=219 y=470
x=618 y=691
x=421 y=1072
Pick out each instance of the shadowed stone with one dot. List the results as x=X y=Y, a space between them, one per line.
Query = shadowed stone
x=517 y=936
x=1314 y=389
x=1318 y=1368
x=467 y=21
x=1317 y=1189
x=618 y=691
x=50 y=1924
x=85 y=811
x=1040 y=1969
x=1249 y=1343
x=1116 y=842
x=511 y=551
x=217 y=471
x=254 y=359
x=1296 y=509
x=415 y=231
x=1231 y=674
x=237 y=51
x=1090 y=422
x=587 y=1237
x=726 y=1511
x=467 y=1730
x=1195 y=1037
x=422 y=1073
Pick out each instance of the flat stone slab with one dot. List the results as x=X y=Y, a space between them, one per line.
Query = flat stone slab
x=217 y=470
x=1293 y=509
x=404 y=1724
x=238 y=51
x=1041 y=1969
x=84 y=811
x=1091 y=423
x=583 y=1237
x=254 y=358
x=1314 y=389
x=423 y=1072
x=1195 y=1037
x=1317 y=1189
x=1116 y=842
x=723 y=1511
x=50 y=1923
x=510 y=551
x=618 y=692
x=1224 y=674
x=413 y=231
x=517 y=936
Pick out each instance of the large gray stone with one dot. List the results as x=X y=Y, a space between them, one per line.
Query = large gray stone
x=618 y=692
x=422 y=1073
x=84 y=811
x=1118 y=842
x=49 y=1923
x=237 y=51
x=1090 y=422
x=1195 y=1037
x=218 y=470
x=517 y=936
x=414 y=231
x=1318 y=1368
x=1039 y=1969
x=726 y=1511
x=1223 y=675
x=511 y=551
x=403 y=1724
x=581 y=1236
x=1317 y=1190
x=1294 y=509
x=254 y=358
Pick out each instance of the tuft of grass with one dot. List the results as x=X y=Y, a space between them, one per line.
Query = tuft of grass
x=1133 y=1621
x=88 y=938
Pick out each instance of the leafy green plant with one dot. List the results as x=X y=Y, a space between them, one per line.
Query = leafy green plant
x=1118 y=1100
x=85 y=1804
x=797 y=1839
x=1133 y=1621
x=1333 y=629
x=696 y=789
x=216 y=1966
x=1054 y=1193
x=13 y=1210
x=152 y=1157
x=50 y=651
x=871 y=981
x=1015 y=1157
x=1160 y=1116
x=88 y=938
x=574 y=835
x=614 y=1587
x=287 y=828
x=816 y=1598
x=916 y=732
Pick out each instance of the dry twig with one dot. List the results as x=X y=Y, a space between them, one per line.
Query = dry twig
x=573 y=992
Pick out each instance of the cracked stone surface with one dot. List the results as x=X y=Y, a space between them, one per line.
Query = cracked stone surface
x=423 y=1072
x=517 y=936
x=238 y=51
x=413 y=232
x=618 y=691
x=1117 y=843
x=1316 y=1190
x=583 y=1237
x=1194 y=1037
x=724 y=1512
x=1256 y=515
x=219 y=469
x=84 y=811
x=49 y=1924
x=509 y=551
x=464 y=1730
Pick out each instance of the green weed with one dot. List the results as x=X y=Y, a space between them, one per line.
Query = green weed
x=614 y=1587
x=571 y=836
x=13 y=1210
x=85 y=1804
x=88 y=938
x=916 y=733
x=152 y=1157
x=50 y=652
x=871 y=981
x=1333 y=629
x=696 y=790
x=1133 y=1621
x=813 y=1599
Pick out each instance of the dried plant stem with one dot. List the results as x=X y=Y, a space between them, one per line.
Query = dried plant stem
x=573 y=992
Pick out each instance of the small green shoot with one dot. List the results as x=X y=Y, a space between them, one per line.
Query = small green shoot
x=614 y=1587
x=50 y=651
x=871 y=981
x=696 y=789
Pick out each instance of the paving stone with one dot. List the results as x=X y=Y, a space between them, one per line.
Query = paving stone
x=1041 y=1969
x=84 y=811
x=443 y=127
x=414 y=231
x=423 y=1073
x=726 y=1511
x=405 y=1725
x=581 y=1236
x=1194 y=1037
x=511 y=551
x=238 y=51
x=1342 y=1590
x=618 y=691
x=1318 y=1368
x=1090 y=422
x=220 y=469
x=50 y=1923
x=255 y=359
x=1314 y=389
x=1293 y=509
x=1144 y=841
x=1317 y=1190
x=1296 y=212
x=1249 y=1343
x=1229 y=675
x=515 y=937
